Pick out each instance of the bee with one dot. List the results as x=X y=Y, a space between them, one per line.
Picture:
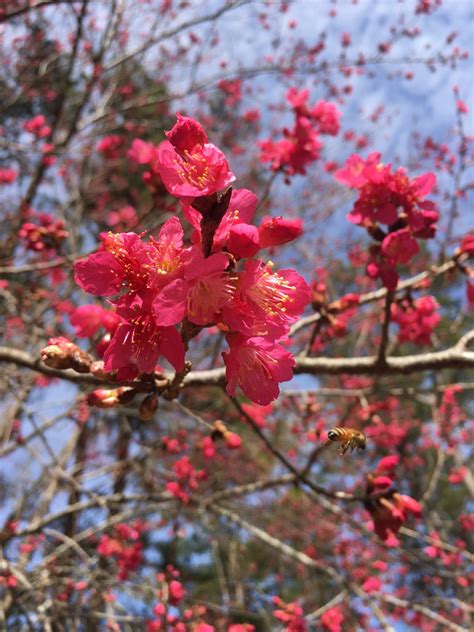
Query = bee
x=349 y=439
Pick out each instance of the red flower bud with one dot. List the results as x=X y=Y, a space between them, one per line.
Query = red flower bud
x=275 y=231
x=110 y=398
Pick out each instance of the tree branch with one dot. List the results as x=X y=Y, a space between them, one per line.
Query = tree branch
x=453 y=358
x=32 y=5
x=283 y=548
x=426 y=612
x=385 y=328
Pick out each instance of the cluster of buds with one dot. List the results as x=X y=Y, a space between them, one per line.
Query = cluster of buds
x=45 y=234
x=62 y=354
x=37 y=126
x=171 y=592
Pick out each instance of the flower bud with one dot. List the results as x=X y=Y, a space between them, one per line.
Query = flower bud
x=232 y=440
x=62 y=354
x=80 y=361
x=55 y=357
x=220 y=429
x=148 y=407
x=110 y=398
x=275 y=231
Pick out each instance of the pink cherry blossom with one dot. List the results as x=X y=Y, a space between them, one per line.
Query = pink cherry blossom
x=141 y=152
x=87 y=319
x=257 y=365
x=416 y=319
x=189 y=166
x=125 y=262
x=7 y=176
x=399 y=246
x=266 y=302
x=383 y=193
x=138 y=343
x=199 y=295
x=119 y=263
x=327 y=115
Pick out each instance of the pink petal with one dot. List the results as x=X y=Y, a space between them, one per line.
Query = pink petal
x=169 y=307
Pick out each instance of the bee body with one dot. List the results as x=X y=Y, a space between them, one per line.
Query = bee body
x=349 y=439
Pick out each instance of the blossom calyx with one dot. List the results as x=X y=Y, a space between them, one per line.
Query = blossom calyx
x=212 y=208
x=148 y=407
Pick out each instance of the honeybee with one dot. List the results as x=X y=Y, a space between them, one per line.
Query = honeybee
x=349 y=439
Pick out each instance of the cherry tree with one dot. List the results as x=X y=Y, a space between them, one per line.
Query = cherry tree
x=236 y=308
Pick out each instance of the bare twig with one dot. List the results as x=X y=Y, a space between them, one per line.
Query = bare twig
x=385 y=328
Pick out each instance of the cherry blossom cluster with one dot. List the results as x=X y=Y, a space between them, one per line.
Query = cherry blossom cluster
x=71 y=588
x=167 y=614
x=332 y=620
x=232 y=88
x=388 y=508
x=110 y=146
x=41 y=131
x=158 y=284
x=416 y=319
x=448 y=559
x=290 y=614
x=391 y=199
x=466 y=249
x=451 y=418
x=301 y=145
x=187 y=479
x=427 y=6
x=125 y=546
